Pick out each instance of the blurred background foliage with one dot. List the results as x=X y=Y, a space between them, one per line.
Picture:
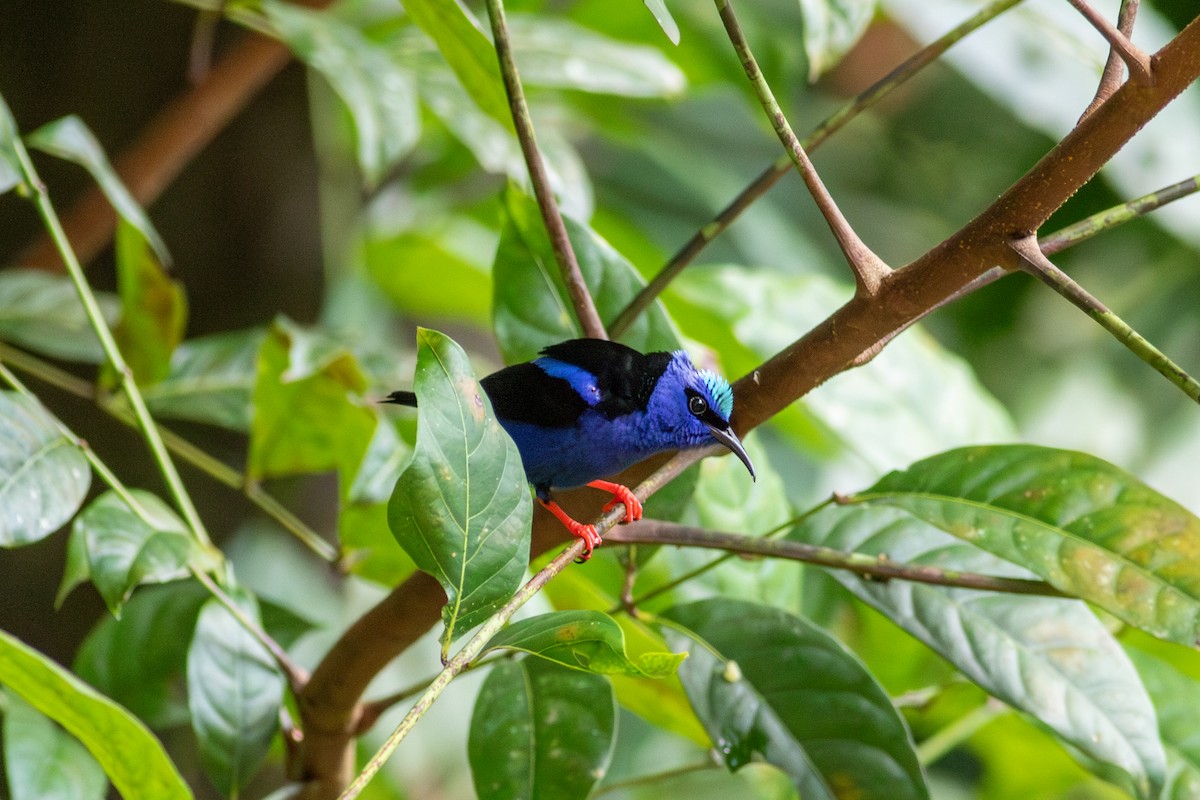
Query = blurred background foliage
x=361 y=193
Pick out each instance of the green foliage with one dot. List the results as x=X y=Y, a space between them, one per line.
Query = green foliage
x=42 y=312
x=44 y=762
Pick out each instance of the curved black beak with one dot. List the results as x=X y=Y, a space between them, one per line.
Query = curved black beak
x=727 y=437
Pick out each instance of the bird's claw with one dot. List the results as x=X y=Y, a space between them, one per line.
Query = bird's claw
x=591 y=540
x=622 y=495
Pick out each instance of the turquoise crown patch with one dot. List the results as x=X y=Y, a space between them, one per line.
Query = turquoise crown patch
x=720 y=391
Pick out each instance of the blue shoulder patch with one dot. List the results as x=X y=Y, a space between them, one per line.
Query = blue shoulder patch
x=582 y=381
x=720 y=391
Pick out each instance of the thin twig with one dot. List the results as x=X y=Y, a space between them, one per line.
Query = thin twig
x=658 y=777
x=957 y=732
x=782 y=165
x=1036 y=264
x=1141 y=67
x=869 y=269
x=581 y=298
x=1111 y=77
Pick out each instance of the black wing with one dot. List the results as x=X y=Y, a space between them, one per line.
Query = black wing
x=625 y=377
x=524 y=393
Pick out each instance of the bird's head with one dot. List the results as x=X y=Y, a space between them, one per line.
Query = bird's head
x=707 y=402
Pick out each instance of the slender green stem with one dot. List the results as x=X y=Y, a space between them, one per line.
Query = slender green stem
x=41 y=199
x=1088 y=227
x=658 y=777
x=957 y=732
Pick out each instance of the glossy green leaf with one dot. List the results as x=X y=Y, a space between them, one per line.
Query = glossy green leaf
x=1049 y=657
x=467 y=50
x=380 y=93
x=541 y=732
x=156 y=624
x=120 y=549
x=585 y=640
x=43 y=762
x=564 y=55
x=1176 y=696
x=664 y=19
x=234 y=693
x=211 y=379
x=69 y=138
x=43 y=475
x=10 y=165
x=1089 y=528
x=309 y=415
x=400 y=264
x=461 y=508
x=41 y=311
x=153 y=308
x=831 y=28
x=763 y=681
x=532 y=308
x=130 y=755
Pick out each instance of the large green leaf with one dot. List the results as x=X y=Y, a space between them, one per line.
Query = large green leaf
x=43 y=762
x=461 y=508
x=119 y=549
x=153 y=308
x=541 y=732
x=211 y=380
x=379 y=92
x=69 y=138
x=1048 y=657
x=1089 y=528
x=831 y=28
x=580 y=639
x=401 y=263
x=43 y=475
x=763 y=681
x=130 y=755
x=156 y=624
x=532 y=308
x=41 y=311
x=234 y=692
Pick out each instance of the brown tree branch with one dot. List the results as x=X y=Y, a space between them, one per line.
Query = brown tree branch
x=1111 y=77
x=1141 y=68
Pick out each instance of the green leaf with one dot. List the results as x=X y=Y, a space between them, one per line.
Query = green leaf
x=10 y=164
x=43 y=762
x=156 y=624
x=380 y=93
x=1090 y=529
x=130 y=755
x=401 y=263
x=69 y=138
x=234 y=693
x=1175 y=696
x=664 y=19
x=462 y=508
x=368 y=547
x=763 y=681
x=532 y=308
x=585 y=640
x=541 y=732
x=41 y=311
x=468 y=52
x=831 y=28
x=1046 y=656
x=43 y=475
x=153 y=308
x=308 y=412
x=120 y=550
x=211 y=379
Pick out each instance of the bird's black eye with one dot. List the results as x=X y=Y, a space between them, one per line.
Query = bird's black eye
x=696 y=405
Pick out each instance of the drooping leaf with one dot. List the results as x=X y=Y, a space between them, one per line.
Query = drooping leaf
x=461 y=508
x=43 y=475
x=763 y=681
x=130 y=755
x=532 y=308
x=379 y=92
x=156 y=624
x=1089 y=528
x=211 y=379
x=69 y=138
x=234 y=693
x=1048 y=657
x=153 y=308
x=831 y=28
x=580 y=639
x=120 y=550
x=41 y=311
x=541 y=732
x=662 y=16
x=42 y=762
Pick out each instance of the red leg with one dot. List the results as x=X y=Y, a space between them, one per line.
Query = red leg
x=622 y=495
x=591 y=539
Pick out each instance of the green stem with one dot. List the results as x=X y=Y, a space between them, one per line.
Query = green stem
x=41 y=199
x=658 y=777
x=1088 y=227
x=957 y=732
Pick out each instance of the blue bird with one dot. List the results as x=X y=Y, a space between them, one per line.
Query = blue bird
x=589 y=408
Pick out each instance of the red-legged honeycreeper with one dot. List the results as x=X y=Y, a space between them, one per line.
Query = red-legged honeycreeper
x=589 y=408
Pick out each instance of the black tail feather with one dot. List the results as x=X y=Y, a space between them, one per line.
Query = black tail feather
x=401 y=398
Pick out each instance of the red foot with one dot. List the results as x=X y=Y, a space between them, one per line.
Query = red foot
x=591 y=539
x=621 y=496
